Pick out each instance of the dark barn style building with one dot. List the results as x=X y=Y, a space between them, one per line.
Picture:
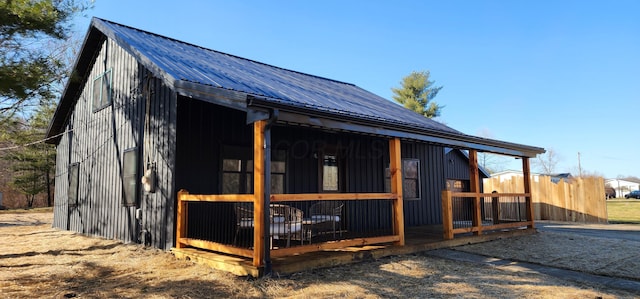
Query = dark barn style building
x=272 y=162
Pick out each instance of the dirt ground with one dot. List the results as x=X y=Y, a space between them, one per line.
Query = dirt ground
x=38 y=261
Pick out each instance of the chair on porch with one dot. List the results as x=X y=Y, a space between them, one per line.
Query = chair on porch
x=325 y=216
x=285 y=222
x=244 y=219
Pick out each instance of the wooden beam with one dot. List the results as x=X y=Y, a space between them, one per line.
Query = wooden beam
x=258 y=192
x=181 y=218
x=462 y=230
x=474 y=182
x=473 y=194
x=447 y=215
x=289 y=251
x=233 y=264
x=395 y=167
x=331 y=196
x=219 y=197
x=213 y=246
x=526 y=173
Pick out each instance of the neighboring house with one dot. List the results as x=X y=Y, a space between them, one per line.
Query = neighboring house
x=622 y=187
x=509 y=174
x=144 y=107
x=458 y=180
x=457 y=170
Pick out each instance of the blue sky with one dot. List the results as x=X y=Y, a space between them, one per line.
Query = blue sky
x=563 y=75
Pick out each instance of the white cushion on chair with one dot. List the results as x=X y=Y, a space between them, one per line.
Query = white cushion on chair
x=246 y=222
x=324 y=218
x=276 y=227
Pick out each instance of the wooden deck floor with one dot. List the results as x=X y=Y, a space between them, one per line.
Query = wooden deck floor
x=418 y=239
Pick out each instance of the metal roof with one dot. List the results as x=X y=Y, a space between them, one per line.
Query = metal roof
x=195 y=64
x=189 y=67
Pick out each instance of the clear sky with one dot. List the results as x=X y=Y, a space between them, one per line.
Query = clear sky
x=563 y=74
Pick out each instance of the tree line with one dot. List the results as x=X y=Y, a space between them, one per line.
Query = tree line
x=36 y=50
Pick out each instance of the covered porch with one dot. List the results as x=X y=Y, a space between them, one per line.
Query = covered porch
x=418 y=239
x=262 y=231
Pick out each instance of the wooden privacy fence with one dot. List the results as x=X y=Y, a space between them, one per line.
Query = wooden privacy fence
x=578 y=200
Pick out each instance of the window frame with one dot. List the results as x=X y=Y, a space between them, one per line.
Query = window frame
x=74 y=184
x=128 y=178
x=103 y=101
x=418 y=179
x=340 y=170
x=246 y=176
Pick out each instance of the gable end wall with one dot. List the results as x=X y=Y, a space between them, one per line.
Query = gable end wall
x=98 y=140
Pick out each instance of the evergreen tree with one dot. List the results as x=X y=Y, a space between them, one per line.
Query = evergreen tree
x=31 y=58
x=417 y=93
x=32 y=161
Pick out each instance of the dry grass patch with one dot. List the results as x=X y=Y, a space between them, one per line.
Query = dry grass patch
x=568 y=251
x=38 y=261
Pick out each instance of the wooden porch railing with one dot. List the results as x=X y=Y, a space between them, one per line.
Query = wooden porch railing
x=477 y=226
x=258 y=200
x=184 y=198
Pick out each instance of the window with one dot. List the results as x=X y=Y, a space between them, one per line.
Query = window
x=237 y=176
x=458 y=185
x=130 y=177
x=278 y=171
x=330 y=173
x=74 y=175
x=237 y=171
x=102 y=91
x=410 y=179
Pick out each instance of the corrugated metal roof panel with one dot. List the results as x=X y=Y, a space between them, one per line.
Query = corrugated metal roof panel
x=195 y=64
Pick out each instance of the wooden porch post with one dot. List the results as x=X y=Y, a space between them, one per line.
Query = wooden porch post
x=526 y=172
x=447 y=215
x=474 y=181
x=395 y=168
x=181 y=221
x=258 y=193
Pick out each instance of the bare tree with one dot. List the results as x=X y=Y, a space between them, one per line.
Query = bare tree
x=491 y=162
x=546 y=163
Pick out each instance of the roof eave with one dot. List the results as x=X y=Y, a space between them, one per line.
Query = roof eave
x=405 y=131
x=74 y=82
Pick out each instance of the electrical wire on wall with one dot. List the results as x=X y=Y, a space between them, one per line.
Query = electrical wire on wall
x=149 y=177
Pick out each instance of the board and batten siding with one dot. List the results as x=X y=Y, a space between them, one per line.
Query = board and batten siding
x=428 y=209
x=97 y=141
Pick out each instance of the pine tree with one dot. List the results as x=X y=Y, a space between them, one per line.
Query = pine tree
x=417 y=93
x=31 y=56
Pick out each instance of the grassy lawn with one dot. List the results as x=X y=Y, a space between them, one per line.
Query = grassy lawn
x=623 y=211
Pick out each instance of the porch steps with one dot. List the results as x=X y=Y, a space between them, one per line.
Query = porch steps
x=286 y=265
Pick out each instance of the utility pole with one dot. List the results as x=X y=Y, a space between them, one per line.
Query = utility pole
x=579 y=166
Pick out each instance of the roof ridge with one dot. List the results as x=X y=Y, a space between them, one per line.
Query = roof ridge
x=223 y=53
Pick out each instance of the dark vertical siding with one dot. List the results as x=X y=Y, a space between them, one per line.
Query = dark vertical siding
x=203 y=129
x=364 y=160
x=98 y=141
x=427 y=210
x=457 y=167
